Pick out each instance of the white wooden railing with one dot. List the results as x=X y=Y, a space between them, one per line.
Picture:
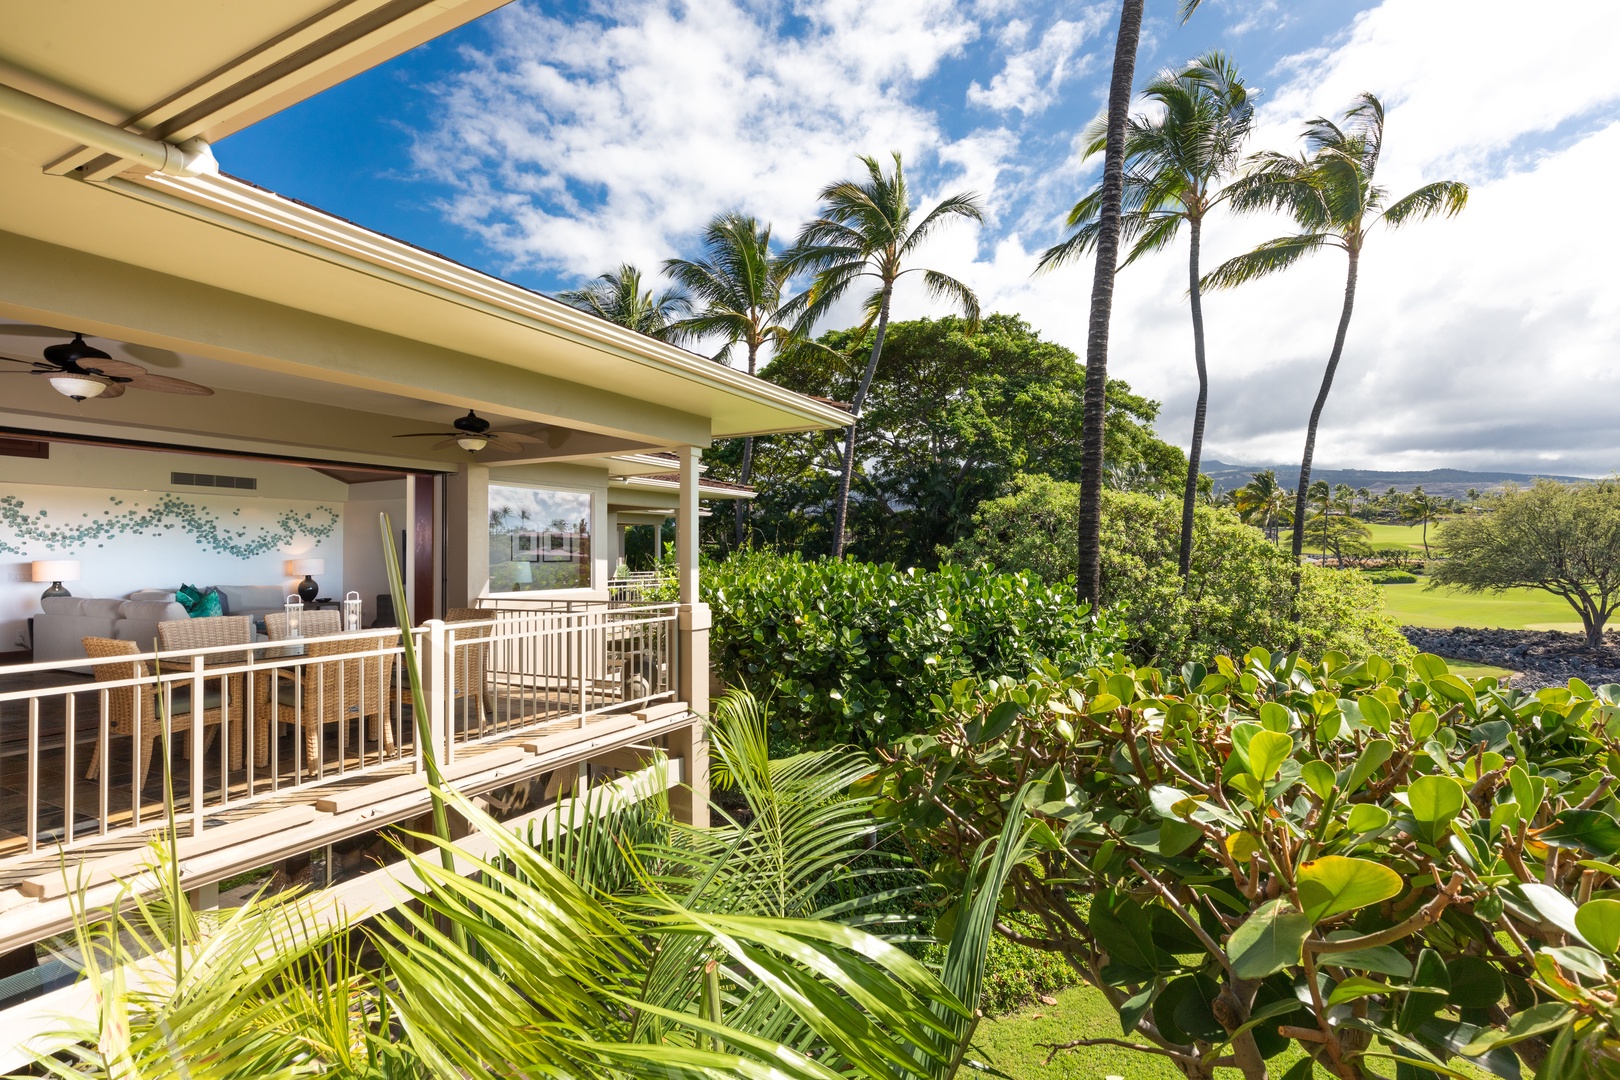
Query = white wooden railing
x=250 y=724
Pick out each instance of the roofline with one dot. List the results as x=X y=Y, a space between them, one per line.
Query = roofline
x=729 y=491
x=254 y=211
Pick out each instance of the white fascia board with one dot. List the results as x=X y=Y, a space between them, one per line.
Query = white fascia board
x=231 y=203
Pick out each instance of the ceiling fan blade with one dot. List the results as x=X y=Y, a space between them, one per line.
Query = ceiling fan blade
x=164 y=384
x=32 y=330
x=503 y=441
x=35 y=364
x=429 y=435
x=445 y=445
x=113 y=390
x=118 y=369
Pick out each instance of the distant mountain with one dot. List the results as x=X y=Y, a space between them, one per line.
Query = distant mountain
x=1446 y=482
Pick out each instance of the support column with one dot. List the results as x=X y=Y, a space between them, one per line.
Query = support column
x=466 y=511
x=690 y=802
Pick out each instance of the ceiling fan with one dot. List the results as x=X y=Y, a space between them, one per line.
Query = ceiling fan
x=472 y=434
x=79 y=370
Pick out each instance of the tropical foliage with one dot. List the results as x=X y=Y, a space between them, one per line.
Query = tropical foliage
x=951 y=416
x=1561 y=538
x=1363 y=862
x=620 y=298
x=739 y=289
x=853 y=652
x=605 y=941
x=1330 y=193
x=1237 y=593
x=1175 y=162
x=865 y=230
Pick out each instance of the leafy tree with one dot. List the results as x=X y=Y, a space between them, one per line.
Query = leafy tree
x=619 y=298
x=1563 y=539
x=1176 y=160
x=1330 y=193
x=1359 y=861
x=739 y=285
x=1237 y=593
x=865 y=230
x=951 y=416
x=1265 y=501
x=1421 y=508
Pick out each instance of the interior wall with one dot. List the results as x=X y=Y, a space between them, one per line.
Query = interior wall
x=118 y=513
x=363 y=566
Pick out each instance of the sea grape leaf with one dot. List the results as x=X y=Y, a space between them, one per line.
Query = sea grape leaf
x=1335 y=884
x=1268 y=941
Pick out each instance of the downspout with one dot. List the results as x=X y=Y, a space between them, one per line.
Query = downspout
x=190 y=158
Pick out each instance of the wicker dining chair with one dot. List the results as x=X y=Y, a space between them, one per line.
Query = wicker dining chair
x=321 y=692
x=133 y=711
x=471 y=675
x=183 y=635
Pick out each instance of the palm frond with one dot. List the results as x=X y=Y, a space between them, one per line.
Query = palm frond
x=964 y=204
x=1445 y=198
x=944 y=287
x=1266 y=259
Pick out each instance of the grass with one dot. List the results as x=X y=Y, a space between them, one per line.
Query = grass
x=1011 y=1043
x=1465 y=669
x=1382 y=537
x=1513 y=609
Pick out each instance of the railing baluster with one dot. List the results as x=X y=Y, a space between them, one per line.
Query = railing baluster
x=69 y=715
x=199 y=757
x=32 y=825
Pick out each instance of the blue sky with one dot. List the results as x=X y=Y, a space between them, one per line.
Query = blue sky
x=548 y=142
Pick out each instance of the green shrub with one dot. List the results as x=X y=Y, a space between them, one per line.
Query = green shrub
x=1390 y=577
x=850 y=652
x=1239 y=593
x=1356 y=859
x=1015 y=974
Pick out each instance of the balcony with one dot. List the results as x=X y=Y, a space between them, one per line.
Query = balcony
x=281 y=748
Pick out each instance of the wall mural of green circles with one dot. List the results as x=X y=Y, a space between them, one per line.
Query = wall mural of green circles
x=170 y=514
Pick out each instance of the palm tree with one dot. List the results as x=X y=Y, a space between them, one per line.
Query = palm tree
x=1264 y=500
x=1420 y=508
x=1175 y=162
x=739 y=283
x=1088 y=581
x=1330 y=193
x=619 y=298
x=1322 y=496
x=865 y=230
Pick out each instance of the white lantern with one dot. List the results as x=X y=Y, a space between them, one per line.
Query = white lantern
x=294 y=608
x=352 y=611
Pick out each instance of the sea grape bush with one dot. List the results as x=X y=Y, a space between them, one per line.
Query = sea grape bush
x=1372 y=862
x=853 y=652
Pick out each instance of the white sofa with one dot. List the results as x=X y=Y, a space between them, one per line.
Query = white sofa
x=66 y=620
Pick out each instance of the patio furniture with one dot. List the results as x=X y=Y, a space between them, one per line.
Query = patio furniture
x=133 y=711
x=320 y=692
x=184 y=635
x=471 y=674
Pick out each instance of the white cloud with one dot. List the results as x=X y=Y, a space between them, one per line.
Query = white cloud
x=1484 y=341
x=577 y=144
x=1030 y=79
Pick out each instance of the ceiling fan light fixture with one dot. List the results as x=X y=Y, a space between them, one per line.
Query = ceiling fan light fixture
x=472 y=443
x=77 y=387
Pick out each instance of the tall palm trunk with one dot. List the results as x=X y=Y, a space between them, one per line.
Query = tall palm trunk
x=1316 y=417
x=1089 y=583
x=1189 y=495
x=742 y=506
x=855 y=419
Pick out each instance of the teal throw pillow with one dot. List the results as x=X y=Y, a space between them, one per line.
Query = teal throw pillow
x=187 y=596
x=209 y=604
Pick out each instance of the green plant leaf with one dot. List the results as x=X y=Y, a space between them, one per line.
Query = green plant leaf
x=1599 y=923
x=1551 y=905
x=1536 y=1020
x=1318 y=776
x=1372 y=756
x=1434 y=801
x=1591 y=831
x=1381 y=959
x=1375 y=713
x=1267 y=941
x=1334 y=884
x=1275 y=717
x=1475 y=982
x=1429 y=666
x=1186 y=1007
x=1267 y=751
x=1367 y=817
x=1359 y=986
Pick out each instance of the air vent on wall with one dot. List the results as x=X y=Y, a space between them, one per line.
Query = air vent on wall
x=240 y=483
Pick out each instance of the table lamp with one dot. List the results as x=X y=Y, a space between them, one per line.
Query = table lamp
x=307 y=589
x=56 y=571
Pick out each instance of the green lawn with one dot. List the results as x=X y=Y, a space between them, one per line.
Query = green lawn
x=1515 y=609
x=1011 y=1044
x=1406 y=537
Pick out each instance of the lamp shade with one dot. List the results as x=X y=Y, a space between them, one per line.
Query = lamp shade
x=56 y=570
x=306 y=566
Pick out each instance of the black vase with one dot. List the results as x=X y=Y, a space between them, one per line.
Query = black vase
x=307 y=590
